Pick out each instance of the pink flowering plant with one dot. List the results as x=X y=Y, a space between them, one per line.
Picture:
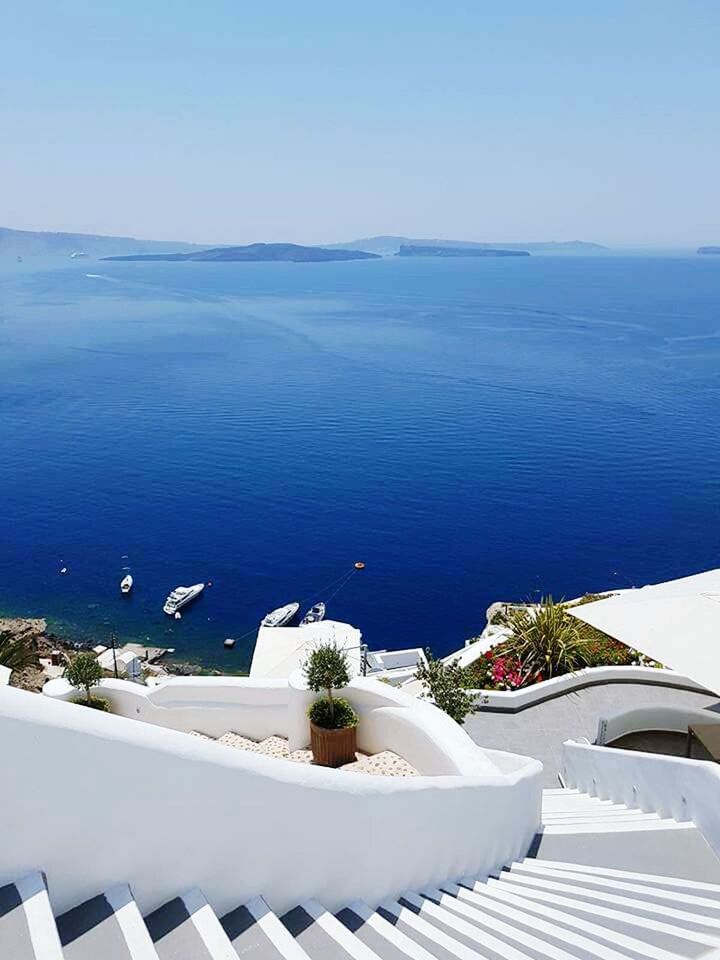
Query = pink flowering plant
x=545 y=642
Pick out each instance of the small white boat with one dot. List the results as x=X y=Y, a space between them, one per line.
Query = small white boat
x=281 y=616
x=315 y=614
x=126 y=584
x=181 y=596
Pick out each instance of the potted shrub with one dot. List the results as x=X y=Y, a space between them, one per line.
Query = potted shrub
x=84 y=672
x=333 y=722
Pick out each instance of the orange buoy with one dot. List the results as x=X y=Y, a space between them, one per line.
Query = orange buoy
x=359 y=565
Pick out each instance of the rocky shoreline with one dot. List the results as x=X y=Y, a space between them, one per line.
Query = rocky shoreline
x=43 y=642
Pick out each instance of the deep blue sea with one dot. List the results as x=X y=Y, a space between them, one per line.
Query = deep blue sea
x=472 y=430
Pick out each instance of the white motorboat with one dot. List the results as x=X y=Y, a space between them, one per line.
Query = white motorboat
x=126 y=584
x=180 y=597
x=281 y=616
x=315 y=614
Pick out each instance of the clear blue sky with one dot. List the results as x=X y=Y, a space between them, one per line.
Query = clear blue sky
x=314 y=121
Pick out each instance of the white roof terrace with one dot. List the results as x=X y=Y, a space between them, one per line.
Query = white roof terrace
x=676 y=623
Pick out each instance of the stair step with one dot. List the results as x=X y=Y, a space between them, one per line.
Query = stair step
x=465 y=931
x=108 y=925
x=27 y=925
x=605 y=819
x=236 y=740
x=186 y=928
x=618 y=941
x=617 y=826
x=571 y=801
x=382 y=937
x=651 y=879
x=703 y=906
x=274 y=747
x=630 y=903
x=528 y=943
x=386 y=763
x=254 y=929
x=322 y=935
x=669 y=936
x=599 y=811
x=576 y=801
x=433 y=939
x=522 y=922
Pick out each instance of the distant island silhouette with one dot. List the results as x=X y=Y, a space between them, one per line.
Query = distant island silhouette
x=255 y=252
x=410 y=250
x=709 y=250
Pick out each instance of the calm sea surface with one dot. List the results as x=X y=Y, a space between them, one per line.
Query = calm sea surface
x=471 y=430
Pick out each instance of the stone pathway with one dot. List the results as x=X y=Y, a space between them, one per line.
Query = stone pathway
x=383 y=764
x=539 y=731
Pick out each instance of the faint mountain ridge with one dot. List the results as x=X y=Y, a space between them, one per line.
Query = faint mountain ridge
x=388 y=245
x=33 y=243
x=408 y=250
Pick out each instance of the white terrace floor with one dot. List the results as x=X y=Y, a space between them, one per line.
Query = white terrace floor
x=539 y=731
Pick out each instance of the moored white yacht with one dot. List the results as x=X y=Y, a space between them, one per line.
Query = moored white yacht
x=281 y=616
x=315 y=614
x=181 y=596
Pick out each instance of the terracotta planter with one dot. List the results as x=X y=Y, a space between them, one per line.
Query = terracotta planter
x=333 y=748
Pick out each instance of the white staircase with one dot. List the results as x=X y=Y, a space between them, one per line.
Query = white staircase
x=568 y=811
x=536 y=909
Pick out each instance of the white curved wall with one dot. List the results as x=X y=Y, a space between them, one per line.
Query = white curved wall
x=656 y=717
x=212 y=705
x=513 y=700
x=103 y=799
x=389 y=719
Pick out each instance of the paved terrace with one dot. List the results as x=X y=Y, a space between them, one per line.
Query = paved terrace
x=539 y=731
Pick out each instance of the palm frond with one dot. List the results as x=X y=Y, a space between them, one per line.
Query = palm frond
x=544 y=639
x=16 y=652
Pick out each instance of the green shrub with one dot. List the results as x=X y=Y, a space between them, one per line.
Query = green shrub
x=335 y=714
x=95 y=703
x=446 y=684
x=326 y=669
x=84 y=672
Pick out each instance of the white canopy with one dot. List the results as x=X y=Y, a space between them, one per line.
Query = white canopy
x=676 y=623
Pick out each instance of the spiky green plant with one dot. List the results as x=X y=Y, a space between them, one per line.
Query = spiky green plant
x=16 y=652
x=545 y=640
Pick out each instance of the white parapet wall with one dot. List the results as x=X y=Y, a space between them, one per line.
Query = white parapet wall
x=511 y=701
x=669 y=719
x=96 y=799
x=670 y=786
x=389 y=718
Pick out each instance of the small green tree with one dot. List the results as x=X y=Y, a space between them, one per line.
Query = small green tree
x=446 y=684
x=16 y=652
x=326 y=669
x=84 y=672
